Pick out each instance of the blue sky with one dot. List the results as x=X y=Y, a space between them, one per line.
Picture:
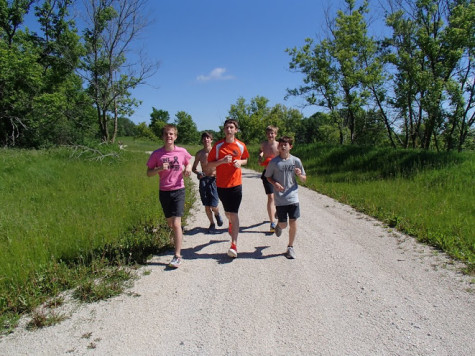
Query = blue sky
x=212 y=52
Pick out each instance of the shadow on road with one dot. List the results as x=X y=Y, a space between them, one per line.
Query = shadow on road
x=193 y=253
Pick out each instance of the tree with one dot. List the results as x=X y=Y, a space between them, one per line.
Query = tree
x=337 y=76
x=110 y=74
x=251 y=118
x=42 y=101
x=254 y=117
x=19 y=73
x=187 y=130
x=418 y=83
x=158 y=119
x=144 y=131
x=11 y=17
x=20 y=76
x=61 y=111
x=126 y=127
x=287 y=120
x=432 y=50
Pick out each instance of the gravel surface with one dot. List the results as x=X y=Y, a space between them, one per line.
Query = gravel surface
x=356 y=288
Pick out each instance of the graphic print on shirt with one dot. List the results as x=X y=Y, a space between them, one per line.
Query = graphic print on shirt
x=173 y=165
x=288 y=167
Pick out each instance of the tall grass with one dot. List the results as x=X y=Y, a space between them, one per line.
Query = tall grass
x=63 y=210
x=429 y=195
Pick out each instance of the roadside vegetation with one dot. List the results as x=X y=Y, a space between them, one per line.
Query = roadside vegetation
x=74 y=218
x=81 y=218
x=426 y=194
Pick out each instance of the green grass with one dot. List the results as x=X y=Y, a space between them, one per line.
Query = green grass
x=66 y=215
x=428 y=195
x=71 y=219
x=141 y=145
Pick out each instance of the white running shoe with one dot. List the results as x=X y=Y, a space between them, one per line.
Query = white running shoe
x=290 y=254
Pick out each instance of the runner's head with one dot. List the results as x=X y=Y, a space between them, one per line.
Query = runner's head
x=271 y=132
x=285 y=145
x=273 y=129
x=231 y=122
x=230 y=129
x=169 y=127
x=206 y=137
x=286 y=139
x=169 y=133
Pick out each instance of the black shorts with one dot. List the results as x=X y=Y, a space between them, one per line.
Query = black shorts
x=230 y=198
x=173 y=202
x=269 y=188
x=292 y=210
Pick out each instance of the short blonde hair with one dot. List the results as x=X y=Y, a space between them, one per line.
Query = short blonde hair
x=272 y=128
x=169 y=127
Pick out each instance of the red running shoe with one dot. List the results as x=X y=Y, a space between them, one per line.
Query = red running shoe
x=232 y=252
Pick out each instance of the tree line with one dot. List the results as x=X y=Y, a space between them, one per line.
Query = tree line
x=414 y=88
x=63 y=84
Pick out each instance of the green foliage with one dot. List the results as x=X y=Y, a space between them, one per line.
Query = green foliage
x=20 y=78
x=430 y=51
x=112 y=283
x=112 y=26
x=417 y=81
x=42 y=102
x=143 y=131
x=126 y=127
x=158 y=120
x=426 y=194
x=65 y=212
x=254 y=117
x=339 y=71
x=187 y=130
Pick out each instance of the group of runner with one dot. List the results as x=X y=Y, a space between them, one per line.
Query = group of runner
x=220 y=179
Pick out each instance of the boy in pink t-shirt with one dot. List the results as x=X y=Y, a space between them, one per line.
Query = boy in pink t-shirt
x=171 y=163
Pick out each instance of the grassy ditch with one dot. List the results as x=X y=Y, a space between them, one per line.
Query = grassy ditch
x=67 y=216
x=428 y=195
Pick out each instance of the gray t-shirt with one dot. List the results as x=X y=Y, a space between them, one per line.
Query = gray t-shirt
x=283 y=171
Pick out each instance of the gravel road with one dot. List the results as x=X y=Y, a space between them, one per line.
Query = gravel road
x=356 y=288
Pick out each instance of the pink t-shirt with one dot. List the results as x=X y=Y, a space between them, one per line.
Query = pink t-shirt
x=171 y=178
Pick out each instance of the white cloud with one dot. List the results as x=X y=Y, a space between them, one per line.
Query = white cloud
x=215 y=74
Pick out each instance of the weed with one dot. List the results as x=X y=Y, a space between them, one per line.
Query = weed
x=86 y=335
x=54 y=302
x=42 y=318
x=8 y=322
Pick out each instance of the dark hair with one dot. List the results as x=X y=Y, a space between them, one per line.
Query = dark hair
x=206 y=134
x=286 y=139
x=231 y=121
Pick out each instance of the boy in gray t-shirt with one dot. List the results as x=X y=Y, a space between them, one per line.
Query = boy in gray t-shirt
x=281 y=172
